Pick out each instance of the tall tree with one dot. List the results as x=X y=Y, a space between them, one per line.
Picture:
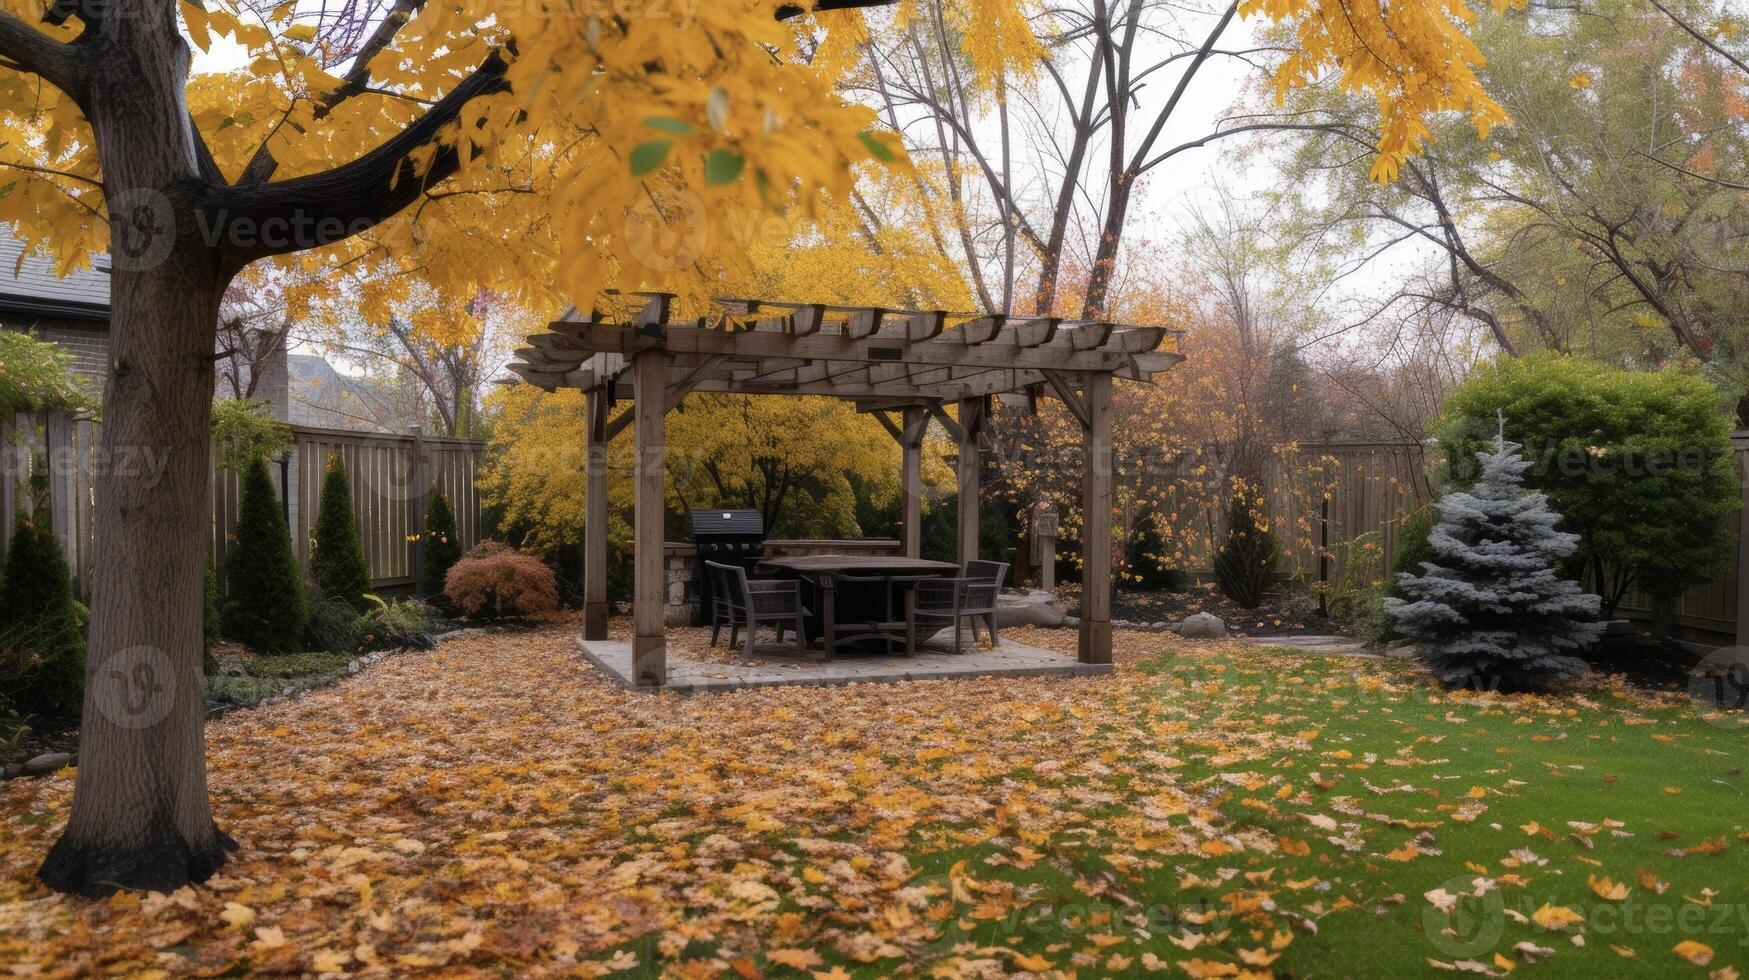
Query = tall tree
x=491 y=146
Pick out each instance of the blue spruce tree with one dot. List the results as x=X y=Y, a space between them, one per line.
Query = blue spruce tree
x=1490 y=607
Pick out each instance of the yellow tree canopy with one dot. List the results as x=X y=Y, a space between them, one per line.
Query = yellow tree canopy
x=587 y=141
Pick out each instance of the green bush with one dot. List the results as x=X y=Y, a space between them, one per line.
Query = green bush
x=337 y=563
x=395 y=624
x=442 y=547
x=1639 y=464
x=42 y=626
x=39 y=377
x=332 y=624
x=264 y=599
x=245 y=431
x=1247 y=553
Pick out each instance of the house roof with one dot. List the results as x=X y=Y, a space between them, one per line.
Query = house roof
x=28 y=285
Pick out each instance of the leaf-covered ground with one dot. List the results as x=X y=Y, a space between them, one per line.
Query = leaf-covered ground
x=1211 y=810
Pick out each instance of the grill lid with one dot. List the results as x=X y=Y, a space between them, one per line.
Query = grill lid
x=710 y=523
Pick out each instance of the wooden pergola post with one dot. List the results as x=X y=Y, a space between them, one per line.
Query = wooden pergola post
x=971 y=422
x=595 y=518
x=649 y=403
x=912 y=425
x=1096 y=485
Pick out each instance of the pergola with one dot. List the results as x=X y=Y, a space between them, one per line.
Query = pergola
x=902 y=365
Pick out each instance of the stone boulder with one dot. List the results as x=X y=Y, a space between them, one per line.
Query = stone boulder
x=1201 y=626
x=1027 y=607
x=48 y=762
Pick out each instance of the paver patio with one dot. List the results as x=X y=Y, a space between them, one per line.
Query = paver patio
x=689 y=672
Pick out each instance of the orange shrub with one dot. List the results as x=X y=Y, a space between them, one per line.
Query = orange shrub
x=497 y=580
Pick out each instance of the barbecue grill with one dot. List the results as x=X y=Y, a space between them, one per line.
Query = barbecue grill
x=727 y=537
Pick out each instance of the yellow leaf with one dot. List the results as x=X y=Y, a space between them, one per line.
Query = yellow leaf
x=1555 y=917
x=1606 y=889
x=796 y=959
x=1700 y=954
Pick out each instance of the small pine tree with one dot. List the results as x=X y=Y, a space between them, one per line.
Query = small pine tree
x=1489 y=605
x=442 y=547
x=1247 y=553
x=264 y=598
x=41 y=624
x=336 y=556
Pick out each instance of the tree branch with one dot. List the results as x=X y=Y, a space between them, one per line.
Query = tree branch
x=255 y=221
x=61 y=65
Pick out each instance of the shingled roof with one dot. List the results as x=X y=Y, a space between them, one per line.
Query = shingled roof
x=29 y=286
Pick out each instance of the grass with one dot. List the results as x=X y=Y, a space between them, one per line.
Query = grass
x=1343 y=795
x=249 y=680
x=1212 y=810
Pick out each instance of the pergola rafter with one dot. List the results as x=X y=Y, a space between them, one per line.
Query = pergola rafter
x=913 y=362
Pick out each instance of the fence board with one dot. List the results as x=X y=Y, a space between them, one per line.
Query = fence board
x=387 y=497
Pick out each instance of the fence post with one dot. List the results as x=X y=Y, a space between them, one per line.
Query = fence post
x=421 y=486
x=57 y=450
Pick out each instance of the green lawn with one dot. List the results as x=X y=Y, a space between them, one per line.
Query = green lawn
x=1339 y=795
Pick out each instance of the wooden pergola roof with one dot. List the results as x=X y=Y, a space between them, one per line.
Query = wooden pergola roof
x=877 y=357
x=907 y=361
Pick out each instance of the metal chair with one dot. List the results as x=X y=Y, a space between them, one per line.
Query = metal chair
x=949 y=601
x=744 y=603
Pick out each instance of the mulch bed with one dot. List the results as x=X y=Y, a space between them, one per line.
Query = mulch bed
x=1284 y=611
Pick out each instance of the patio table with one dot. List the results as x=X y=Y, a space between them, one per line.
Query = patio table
x=822 y=572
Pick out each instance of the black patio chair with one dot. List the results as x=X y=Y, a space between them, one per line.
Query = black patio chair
x=743 y=604
x=943 y=602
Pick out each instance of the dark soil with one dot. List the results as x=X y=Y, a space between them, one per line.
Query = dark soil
x=1645 y=661
x=1285 y=611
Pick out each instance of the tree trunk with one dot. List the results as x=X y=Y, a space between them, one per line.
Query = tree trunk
x=140 y=816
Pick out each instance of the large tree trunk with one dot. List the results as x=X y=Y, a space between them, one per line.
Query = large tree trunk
x=140 y=817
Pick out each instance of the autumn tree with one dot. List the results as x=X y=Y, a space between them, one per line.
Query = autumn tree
x=508 y=148
x=1034 y=130
x=1605 y=219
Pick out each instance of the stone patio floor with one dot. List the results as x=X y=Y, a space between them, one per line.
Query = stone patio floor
x=691 y=672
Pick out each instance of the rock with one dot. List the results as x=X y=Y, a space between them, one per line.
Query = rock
x=1158 y=626
x=48 y=762
x=1071 y=620
x=1201 y=626
x=1027 y=607
x=352 y=667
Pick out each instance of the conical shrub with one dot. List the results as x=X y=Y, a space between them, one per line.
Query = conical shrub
x=264 y=598
x=336 y=557
x=42 y=626
x=442 y=547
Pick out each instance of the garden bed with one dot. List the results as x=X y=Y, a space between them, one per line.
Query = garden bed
x=1285 y=610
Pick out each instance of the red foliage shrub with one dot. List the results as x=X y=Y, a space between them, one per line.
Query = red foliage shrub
x=496 y=580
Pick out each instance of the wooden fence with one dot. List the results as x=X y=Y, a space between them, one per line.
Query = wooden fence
x=391 y=478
